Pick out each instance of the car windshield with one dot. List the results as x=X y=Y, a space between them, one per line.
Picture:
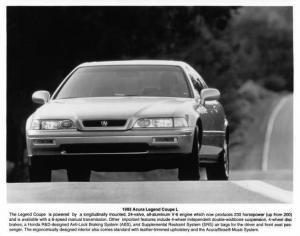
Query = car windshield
x=129 y=80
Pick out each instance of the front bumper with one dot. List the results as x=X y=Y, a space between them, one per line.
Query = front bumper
x=129 y=142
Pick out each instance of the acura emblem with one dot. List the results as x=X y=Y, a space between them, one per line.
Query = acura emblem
x=104 y=123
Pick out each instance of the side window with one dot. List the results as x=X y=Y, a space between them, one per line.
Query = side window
x=196 y=84
x=197 y=81
x=201 y=81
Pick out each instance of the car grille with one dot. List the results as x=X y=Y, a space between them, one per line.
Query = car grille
x=103 y=123
x=105 y=148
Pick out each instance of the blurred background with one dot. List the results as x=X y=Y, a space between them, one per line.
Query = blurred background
x=245 y=52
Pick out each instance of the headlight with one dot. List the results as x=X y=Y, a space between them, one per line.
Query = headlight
x=52 y=124
x=160 y=123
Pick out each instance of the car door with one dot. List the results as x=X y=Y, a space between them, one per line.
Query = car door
x=213 y=118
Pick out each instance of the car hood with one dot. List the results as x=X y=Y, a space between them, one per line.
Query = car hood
x=114 y=108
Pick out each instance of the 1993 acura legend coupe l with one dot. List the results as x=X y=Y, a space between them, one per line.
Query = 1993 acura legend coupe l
x=129 y=115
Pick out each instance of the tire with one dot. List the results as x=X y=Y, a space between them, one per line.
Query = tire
x=39 y=172
x=220 y=170
x=189 y=169
x=77 y=174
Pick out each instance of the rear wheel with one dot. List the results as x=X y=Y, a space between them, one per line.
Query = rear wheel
x=77 y=174
x=39 y=172
x=220 y=170
x=189 y=169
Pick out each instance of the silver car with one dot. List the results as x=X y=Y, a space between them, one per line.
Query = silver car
x=129 y=116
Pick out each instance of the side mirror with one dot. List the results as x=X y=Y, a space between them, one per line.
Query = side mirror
x=41 y=97
x=209 y=94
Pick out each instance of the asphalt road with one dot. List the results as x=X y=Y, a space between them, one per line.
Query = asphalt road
x=277 y=159
x=272 y=183
x=281 y=141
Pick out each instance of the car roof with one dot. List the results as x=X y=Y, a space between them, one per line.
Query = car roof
x=134 y=62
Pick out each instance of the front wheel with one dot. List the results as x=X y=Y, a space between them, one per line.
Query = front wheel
x=220 y=170
x=189 y=169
